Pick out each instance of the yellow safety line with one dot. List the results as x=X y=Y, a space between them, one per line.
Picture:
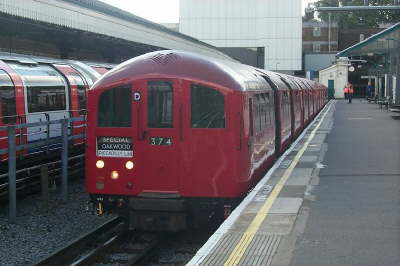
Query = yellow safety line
x=248 y=236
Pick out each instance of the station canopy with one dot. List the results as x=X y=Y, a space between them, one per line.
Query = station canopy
x=380 y=43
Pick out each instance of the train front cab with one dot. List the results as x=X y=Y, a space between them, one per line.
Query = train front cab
x=171 y=135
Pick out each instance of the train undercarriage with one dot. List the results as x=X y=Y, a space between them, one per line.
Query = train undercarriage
x=173 y=215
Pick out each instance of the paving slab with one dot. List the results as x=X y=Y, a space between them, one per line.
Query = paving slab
x=286 y=206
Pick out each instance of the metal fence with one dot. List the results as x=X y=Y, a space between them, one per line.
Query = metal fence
x=13 y=148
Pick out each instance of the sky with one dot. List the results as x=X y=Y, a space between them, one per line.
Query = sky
x=167 y=11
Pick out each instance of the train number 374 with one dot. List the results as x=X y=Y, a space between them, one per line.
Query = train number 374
x=160 y=141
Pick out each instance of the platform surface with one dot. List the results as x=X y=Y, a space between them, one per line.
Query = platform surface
x=332 y=199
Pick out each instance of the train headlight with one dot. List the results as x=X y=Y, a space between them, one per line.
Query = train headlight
x=114 y=175
x=129 y=165
x=100 y=164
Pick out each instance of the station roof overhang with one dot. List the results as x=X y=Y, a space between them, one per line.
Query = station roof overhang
x=93 y=16
x=379 y=43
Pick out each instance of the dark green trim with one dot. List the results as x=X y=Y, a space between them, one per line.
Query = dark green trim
x=369 y=40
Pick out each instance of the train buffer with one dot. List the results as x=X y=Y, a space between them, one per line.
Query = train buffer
x=334 y=203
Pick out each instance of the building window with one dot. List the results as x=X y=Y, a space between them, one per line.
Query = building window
x=316 y=31
x=316 y=47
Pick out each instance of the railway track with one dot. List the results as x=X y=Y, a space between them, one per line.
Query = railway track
x=110 y=243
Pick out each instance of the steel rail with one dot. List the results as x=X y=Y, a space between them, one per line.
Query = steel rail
x=67 y=254
x=108 y=240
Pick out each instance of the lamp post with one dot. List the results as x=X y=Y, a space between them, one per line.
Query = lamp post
x=276 y=66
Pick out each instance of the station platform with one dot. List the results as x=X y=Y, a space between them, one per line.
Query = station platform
x=332 y=199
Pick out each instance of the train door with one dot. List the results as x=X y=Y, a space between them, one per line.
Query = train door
x=78 y=87
x=46 y=97
x=8 y=110
x=159 y=124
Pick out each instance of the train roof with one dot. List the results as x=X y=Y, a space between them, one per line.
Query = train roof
x=84 y=67
x=187 y=65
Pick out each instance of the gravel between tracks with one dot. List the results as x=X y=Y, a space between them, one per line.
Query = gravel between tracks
x=38 y=231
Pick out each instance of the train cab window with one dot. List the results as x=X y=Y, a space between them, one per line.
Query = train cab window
x=207 y=107
x=160 y=104
x=115 y=107
x=7 y=98
x=45 y=88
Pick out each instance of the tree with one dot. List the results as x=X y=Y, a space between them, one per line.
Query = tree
x=359 y=18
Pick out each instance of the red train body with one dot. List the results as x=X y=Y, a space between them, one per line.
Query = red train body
x=174 y=138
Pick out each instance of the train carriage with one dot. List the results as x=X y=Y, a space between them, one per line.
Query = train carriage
x=174 y=138
x=283 y=110
x=34 y=89
x=308 y=100
x=297 y=108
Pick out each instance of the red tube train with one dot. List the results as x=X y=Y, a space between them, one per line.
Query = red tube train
x=174 y=138
x=34 y=89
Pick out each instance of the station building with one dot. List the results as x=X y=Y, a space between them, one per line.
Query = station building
x=374 y=60
x=262 y=33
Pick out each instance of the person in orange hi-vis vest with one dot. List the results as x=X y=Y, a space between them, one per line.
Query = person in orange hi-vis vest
x=346 y=90
x=350 y=92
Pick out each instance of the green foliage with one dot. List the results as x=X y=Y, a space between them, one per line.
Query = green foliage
x=359 y=18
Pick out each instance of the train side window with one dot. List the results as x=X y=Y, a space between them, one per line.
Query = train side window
x=81 y=99
x=251 y=116
x=115 y=107
x=160 y=104
x=285 y=104
x=259 y=113
x=207 y=107
x=43 y=98
x=45 y=87
x=81 y=89
x=7 y=99
x=271 y=115
x=264 y=105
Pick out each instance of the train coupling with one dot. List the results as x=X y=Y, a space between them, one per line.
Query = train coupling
x=99 y=208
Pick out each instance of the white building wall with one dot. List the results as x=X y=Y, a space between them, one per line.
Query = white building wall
x=339 y=74
x=272 y=24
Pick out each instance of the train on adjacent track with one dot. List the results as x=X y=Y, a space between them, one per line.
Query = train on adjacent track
x=174 y=138
x=35 y=89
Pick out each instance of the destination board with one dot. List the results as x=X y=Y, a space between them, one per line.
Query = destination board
x=120 y=147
